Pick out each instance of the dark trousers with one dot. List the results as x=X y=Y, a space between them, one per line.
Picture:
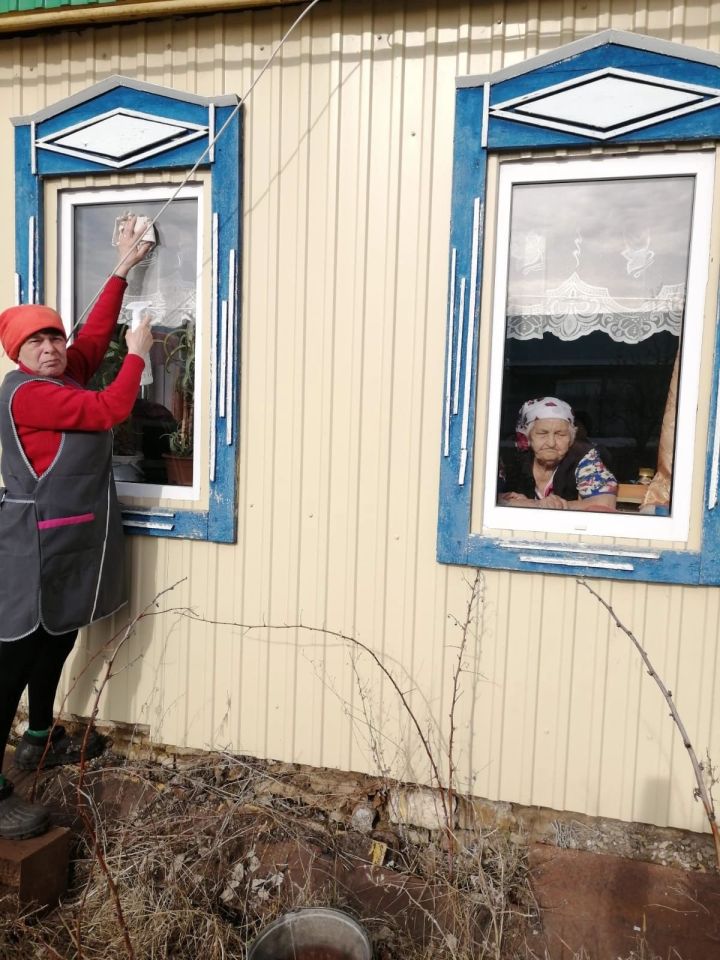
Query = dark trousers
x=35 y=662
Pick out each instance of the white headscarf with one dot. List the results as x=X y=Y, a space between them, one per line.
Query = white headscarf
x=544 y=408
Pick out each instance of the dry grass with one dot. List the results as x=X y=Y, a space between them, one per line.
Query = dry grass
x=194 y=854
x=188 y=851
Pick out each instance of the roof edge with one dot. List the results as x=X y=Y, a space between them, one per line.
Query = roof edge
x=70 y=16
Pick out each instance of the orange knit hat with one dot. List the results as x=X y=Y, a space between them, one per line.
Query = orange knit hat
x=19 y=323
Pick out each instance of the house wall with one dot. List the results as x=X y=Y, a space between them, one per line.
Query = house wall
x=346 y=179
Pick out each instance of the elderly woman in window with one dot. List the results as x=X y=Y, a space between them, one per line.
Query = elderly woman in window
x=556 y=471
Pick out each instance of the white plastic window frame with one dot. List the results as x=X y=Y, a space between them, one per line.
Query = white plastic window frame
x=675 y=527
x=132 y=198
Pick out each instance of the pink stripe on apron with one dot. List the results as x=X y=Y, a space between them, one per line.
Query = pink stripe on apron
x=65 y=521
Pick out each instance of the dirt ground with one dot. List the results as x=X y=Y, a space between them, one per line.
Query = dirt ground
x=201 y=852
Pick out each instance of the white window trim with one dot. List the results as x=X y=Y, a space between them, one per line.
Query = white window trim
x=701 y=165
x=68 y=200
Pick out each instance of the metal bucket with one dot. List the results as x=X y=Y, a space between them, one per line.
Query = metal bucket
x=315 y=933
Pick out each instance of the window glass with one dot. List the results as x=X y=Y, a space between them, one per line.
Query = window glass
x=154 y=450
x=591 y=299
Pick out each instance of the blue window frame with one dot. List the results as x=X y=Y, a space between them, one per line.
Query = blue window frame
x=552 y=135
x=145 y=139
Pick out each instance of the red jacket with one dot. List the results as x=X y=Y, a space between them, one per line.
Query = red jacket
x=42 y=410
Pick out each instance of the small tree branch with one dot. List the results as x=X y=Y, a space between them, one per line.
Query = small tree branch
x=464 y=631
x=701 y=790
x=445 y=789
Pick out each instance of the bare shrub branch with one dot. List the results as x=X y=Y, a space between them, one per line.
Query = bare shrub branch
x=445 y=787
x=701 y=792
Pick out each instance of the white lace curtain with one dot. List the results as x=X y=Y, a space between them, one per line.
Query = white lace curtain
x=575 y=309
x=598 y=255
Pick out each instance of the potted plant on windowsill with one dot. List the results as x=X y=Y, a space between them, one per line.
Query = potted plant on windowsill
x=179 y=459
x=179 y=348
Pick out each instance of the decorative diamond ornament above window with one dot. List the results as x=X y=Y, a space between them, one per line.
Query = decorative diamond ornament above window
x=120 y=138
x=621 y=101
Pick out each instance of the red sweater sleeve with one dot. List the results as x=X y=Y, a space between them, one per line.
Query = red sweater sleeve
x=43 y=405
x=86 y=353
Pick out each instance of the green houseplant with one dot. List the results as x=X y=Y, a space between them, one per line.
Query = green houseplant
x=179 y=346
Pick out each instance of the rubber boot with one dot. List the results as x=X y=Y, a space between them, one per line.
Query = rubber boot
x=20 y=819
x=63 y=749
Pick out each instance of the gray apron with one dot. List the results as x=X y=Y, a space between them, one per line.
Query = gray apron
x=61 y=538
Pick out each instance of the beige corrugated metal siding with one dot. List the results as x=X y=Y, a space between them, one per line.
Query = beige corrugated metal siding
x=348 y=151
